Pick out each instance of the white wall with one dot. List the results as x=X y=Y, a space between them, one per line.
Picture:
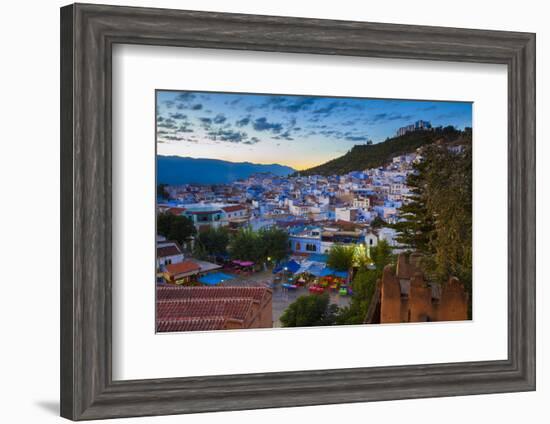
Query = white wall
x=30 y=149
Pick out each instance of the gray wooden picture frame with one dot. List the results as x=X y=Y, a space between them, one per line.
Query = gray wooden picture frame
x=88 y=33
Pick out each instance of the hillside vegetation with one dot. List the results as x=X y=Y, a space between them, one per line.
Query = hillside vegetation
x=362 y=157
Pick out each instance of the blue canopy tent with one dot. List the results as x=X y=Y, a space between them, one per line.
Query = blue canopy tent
x=215 y=278
x=332 y=272
x=318 y=257
x=313 y=268
x=290 y=266
x=316 y=269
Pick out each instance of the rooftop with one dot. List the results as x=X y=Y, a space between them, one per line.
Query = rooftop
x=170 y=250
x=183 y=267
x=178 y=292
x=229 y=307
x=233 y=208
x=191 y=324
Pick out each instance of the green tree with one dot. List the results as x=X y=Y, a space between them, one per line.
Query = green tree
x=175 y=227
x=308 y=311
x=378 y=222
x=199 y=251
x=214 y=241
x=363 y=285
x=162 y=193
x=381 y=255
x=340 y=257
x=360 y=257
x=246 y=245
x=416 y=230
x=274 y=243
x=438 y=219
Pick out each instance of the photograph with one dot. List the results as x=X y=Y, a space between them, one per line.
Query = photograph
x=304 y=211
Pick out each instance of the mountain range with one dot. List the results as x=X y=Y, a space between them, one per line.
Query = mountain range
x=175 y=170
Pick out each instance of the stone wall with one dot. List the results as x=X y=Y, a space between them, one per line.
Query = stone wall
x=405 y=296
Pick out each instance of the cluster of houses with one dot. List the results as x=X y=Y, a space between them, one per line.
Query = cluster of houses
x=175 y=268
x=317 y=211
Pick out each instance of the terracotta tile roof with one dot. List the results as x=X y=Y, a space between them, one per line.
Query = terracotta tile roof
x=176 y=211
x=191 y=324
x=170 y=250
x=204 y=212
x=346 y=225
x=181 y=292
x=233 y=208
x=236 y=308
x=183 y=267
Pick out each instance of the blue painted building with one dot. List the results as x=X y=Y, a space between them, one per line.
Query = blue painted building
x=305 y=240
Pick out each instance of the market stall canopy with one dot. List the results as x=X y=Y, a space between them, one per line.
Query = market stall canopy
x=333 y=273
x=318 y=257
x=290 y=266
x=313 y=268
x=243 y=263
x=215 y=278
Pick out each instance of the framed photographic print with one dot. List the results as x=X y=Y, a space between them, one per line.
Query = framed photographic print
x=264 y=212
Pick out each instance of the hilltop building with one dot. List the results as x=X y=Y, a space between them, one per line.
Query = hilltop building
x=418 y=125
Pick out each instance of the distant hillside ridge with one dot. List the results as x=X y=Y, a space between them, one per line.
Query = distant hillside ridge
x=176 y=170
x=364 y=156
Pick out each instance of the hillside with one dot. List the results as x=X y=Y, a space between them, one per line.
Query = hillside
x=184 y=170
x=375 y=155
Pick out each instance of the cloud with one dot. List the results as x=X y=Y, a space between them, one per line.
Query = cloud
x=284 y=136
x=356 y=138
x=231 y=136
x=167 y=123
x=262 y=124
x=252 y=140
x=197 y=106
x=386 y=117
x=205 y=120
x=274 y=101
x=243 y=121
x=331 y=133
x=173 y=138
x=448 y=115
x=326 y=110
x=219 y=118
x=427 y=108
x=185 y=128
x=295 y=104
x=185 y=97
x=178 y=116
x=234 y=101
x=349 y=123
